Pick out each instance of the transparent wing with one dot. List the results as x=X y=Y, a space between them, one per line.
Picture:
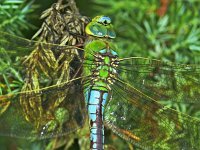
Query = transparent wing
x=38 y=60
x=51 y=99
x=162 y=81
x=140 y=119
x=48 y=112
x=17 y=46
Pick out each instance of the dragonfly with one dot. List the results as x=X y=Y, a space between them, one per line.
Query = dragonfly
x=126 y=95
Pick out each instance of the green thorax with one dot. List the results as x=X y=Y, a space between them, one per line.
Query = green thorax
x=100 y=52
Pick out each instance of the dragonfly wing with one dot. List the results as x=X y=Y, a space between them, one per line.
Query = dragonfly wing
x=17 y=46
x=37 y=56
x=146 y=123
x=49 y=112
x=162 y=81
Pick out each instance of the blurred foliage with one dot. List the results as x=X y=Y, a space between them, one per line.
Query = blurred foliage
x=14 y=18
x=163 y=29
x=15 y=15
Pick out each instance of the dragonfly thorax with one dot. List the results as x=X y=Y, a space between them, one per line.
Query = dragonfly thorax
x=104 y=71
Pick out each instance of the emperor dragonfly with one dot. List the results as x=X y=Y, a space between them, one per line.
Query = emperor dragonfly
x=121 y=93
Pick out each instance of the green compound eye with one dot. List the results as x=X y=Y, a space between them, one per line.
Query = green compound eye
x=100 y=26
x=104 y=20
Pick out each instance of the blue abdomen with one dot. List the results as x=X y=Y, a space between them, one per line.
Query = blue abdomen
x=96 y=101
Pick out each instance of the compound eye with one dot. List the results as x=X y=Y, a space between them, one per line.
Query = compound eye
x=104 y=20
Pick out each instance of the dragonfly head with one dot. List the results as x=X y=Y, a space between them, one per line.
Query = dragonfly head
x=100 y=26
x=104 y=20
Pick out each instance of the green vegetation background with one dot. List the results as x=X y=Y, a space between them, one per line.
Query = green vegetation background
x=163 y=29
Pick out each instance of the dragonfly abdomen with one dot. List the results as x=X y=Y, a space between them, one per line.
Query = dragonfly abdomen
x=95 y=106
